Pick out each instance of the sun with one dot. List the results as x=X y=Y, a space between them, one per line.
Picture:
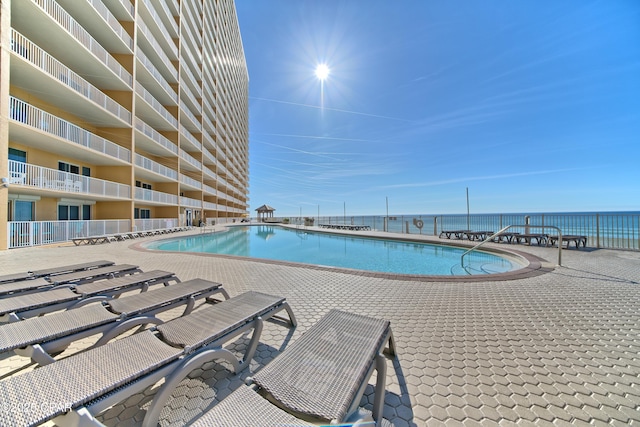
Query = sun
x=322 y=72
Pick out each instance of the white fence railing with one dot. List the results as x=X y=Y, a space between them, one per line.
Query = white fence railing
x=155 y=224
x=34 y=233
x=52 y=179
x=616 y=230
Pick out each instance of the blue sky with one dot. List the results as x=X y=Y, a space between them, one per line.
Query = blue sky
x=534 y=106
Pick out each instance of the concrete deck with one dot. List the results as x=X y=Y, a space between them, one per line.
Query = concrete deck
x=561 y=348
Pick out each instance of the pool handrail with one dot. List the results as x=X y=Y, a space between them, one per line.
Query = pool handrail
x=490 y=238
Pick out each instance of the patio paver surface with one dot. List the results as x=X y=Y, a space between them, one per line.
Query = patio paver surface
x=562 y=348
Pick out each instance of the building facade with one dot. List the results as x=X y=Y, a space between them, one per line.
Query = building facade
x=120 y=115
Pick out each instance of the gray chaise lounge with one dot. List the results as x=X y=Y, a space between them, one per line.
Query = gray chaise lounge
x=74 y=391
x=69 y=296
x=40 y=337
x=320 y=378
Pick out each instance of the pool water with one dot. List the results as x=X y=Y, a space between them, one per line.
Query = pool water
x=360 y=253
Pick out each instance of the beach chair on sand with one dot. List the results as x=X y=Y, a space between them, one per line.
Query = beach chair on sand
x=81 y=386
x=40 y=337
x=320 y=378
x=23 y=306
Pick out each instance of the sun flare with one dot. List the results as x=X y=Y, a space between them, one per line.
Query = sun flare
x=322 y=71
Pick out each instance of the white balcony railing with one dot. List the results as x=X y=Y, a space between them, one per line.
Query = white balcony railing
x=144 y=194
x=54 y=180
x=157 y=49
x=41 y=120
x=112 y=21
x=156 y=167
x=156 y=105
x=190 y=159
x=187 y=201
x=187 y=112
x=55 y=11
x=156 y=136
x=41 y=59
x=192 y=139
x=157 y=75
x=190 y=181
x=162 y=29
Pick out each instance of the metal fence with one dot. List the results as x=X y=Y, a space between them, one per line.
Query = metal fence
x=34 y=233
x=603 y=230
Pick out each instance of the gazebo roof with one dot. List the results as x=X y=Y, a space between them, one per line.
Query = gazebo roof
x=265 y=208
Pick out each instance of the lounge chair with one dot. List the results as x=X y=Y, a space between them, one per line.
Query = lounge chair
x=458 y=234
x=528 y=238
x=40 y=337
x=320 y=378
x=73 y=296
x=94 y=274
x=17 y=277
x=577 y=240
x=70 y=268
x=24 y=287
x=74 y=392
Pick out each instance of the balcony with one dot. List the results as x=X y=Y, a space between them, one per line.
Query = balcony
x=190 y=161
x=160 y=32
x=152 y=141
x=156 y=168
x=151 y=77
x=153 y=50
x=154 y=197
x=34 y=127
x=123 y=10
x=39 y=180
x=194 y=203
x=189 y=141
x=190 y=182
x=48 y=25
x=153 y=112
x=188 y=119
x=58 y=85
x=94 y=15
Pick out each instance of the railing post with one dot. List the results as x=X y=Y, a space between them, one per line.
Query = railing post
x=598 y=230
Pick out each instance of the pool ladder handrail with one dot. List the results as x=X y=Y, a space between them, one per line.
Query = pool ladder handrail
x=493 y=236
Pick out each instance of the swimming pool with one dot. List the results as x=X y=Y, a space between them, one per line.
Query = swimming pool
x=343 y=251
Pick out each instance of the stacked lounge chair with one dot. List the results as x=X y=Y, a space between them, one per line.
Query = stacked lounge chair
x=40 y=337
x=31 y=281
x=130 y=365
x=67 y=295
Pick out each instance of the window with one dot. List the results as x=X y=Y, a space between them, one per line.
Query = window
x=143 y=185
x=17 y=155
x=141 y=213
x=23 y=211
x=72 y=212
x=68 y=213
x=66 y=167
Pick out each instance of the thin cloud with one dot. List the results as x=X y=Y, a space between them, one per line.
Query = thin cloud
x=330 y=109
x=479 y=178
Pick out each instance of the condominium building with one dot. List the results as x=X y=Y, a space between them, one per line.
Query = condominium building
x=120 y=115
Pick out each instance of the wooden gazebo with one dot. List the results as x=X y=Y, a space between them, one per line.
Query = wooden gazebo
x=265 y=212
